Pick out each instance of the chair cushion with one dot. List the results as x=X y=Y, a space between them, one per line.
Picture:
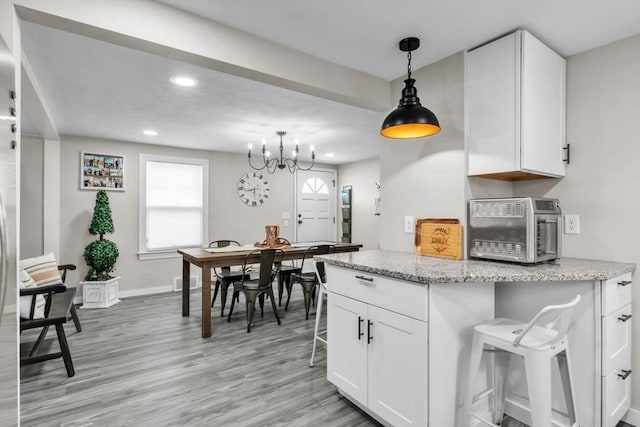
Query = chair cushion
x=26 y=281
x=43 y=269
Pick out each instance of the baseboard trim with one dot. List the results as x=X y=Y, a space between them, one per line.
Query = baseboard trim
x=135 y=293
x=145 y=291
x=632 y=417
x=520 y=411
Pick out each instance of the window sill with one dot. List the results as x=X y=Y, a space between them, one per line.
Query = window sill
x=146 y=256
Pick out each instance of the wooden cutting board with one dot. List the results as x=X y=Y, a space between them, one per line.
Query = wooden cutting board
x=439 y=237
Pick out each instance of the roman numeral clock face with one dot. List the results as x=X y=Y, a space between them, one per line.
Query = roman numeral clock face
x=253 y=189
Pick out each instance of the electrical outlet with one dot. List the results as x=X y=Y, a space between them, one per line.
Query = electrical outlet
x=408 y=224
x=572 y=224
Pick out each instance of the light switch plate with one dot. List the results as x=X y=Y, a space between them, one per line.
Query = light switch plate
x=408 y=224
x=572 y=224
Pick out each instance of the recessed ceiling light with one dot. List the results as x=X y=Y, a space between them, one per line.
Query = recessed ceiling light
x=183 y=81
x=150 y=132
x=330 y=155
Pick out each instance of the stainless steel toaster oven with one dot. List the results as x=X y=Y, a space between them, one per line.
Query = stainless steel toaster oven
x=518 y=229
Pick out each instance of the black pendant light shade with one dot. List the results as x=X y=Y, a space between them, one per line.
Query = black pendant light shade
x=410 y=119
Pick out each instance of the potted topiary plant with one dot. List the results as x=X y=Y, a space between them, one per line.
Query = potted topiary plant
x=100 y=289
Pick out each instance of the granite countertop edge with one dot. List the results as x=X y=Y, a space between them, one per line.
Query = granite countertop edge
x=428 y=270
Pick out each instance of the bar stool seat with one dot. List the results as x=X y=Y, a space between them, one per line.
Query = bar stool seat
x=539 y=341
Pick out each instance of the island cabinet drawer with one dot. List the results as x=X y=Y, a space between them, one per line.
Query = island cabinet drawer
x=616 y=293
x=410 y=299
x=616 y=398
x=616 y=340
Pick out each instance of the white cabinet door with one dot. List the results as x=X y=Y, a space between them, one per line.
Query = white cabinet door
x=616 y=348
x=543 y=108
x=616 y=397
x=493 y=97
x=616 y=340
x=347 y=345
x=397 y=367
x=515 y=109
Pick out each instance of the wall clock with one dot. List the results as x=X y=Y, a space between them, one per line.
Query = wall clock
x=253 y=189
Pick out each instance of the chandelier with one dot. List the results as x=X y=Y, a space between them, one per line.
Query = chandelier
x=270 y=164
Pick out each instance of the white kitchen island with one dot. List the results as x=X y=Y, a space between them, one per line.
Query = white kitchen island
x=400 y=327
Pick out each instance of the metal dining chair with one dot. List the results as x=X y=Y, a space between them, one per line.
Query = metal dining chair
x=253 y=290
x=224 y=276
x=308 y=280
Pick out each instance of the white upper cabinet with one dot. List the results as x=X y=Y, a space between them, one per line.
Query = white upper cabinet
x=515 y=109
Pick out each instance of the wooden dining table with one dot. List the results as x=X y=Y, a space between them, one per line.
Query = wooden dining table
x=207 y=260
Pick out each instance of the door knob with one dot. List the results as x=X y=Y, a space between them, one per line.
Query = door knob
x=299 y=221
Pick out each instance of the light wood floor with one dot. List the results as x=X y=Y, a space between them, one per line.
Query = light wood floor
x=140 y=363
x=8 y=371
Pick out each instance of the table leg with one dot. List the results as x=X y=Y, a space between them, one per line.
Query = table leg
x=185 y=288
x=206 y=302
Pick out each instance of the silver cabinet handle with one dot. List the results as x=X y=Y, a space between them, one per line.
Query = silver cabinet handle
x=368 y=279
x=625 y=373
x=4 y=256
x=624 y=283
x=624 y=317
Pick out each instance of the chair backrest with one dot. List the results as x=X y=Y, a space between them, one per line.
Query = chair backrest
x=223 y=243
x=556 y=317
x=270 y=260
x=319 y=265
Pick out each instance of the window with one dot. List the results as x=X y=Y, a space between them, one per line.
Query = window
x=315 y=186
x=173 y=205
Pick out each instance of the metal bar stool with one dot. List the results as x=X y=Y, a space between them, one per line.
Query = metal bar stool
x=538 y=341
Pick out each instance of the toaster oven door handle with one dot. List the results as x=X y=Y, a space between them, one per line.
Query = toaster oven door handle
x=547 y=228
x=548 y=221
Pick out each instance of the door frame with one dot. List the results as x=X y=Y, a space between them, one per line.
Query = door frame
x=335 y=205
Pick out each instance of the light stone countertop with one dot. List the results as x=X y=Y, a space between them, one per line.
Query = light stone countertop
x=425 y=270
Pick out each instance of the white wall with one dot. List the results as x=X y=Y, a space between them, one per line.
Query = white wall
x=425 y=177
x=604 y=175
x=31 y=197
x=229 y=218
x=362 y=177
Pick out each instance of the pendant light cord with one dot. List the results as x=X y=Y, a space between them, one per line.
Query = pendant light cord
x=409 y=64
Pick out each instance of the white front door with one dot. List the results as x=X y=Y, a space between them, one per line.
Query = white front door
x=316 y=206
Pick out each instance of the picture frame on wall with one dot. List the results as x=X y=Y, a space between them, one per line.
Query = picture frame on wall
x=101 y=172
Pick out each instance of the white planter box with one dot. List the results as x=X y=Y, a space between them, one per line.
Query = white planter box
x=100 y=294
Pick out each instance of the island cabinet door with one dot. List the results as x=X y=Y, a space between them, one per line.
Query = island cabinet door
x=347 y=346
x=397 y=367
